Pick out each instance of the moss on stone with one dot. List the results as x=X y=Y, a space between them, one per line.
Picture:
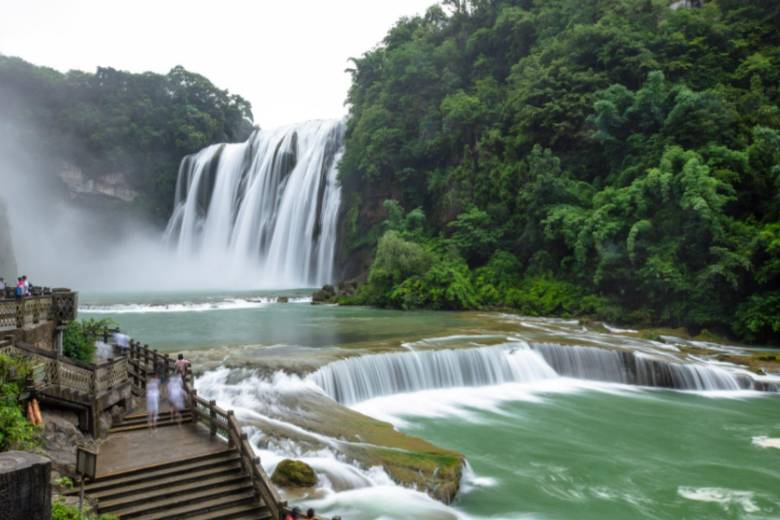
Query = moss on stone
x=294 y=473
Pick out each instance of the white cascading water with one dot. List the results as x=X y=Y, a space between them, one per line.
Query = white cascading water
x=265 y=209
x=353 y=380
x=361 y=378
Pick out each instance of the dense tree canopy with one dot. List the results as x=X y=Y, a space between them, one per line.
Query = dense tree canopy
x=115 y=121
x=619 y=158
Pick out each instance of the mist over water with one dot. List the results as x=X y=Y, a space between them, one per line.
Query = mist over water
x=259 y=214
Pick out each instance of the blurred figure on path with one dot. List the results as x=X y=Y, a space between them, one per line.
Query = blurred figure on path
x=182 y=365
x=153 y=401
x=176 y=396
x=121 y=340
x=295 y=514
x=162 y=374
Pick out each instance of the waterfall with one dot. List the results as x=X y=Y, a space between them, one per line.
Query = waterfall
x=631 y=368
x=360 y=378
x=266 y=208
x=357 y=379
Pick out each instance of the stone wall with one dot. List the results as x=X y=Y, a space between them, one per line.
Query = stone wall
x=25 y=489
x=41 y=336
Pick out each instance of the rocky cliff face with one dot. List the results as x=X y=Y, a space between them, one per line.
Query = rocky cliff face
x=111 y=185
x=7 y=259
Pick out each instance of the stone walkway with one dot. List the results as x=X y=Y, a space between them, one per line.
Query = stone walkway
x=123 y=451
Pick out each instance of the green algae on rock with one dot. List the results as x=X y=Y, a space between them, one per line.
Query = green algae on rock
x=294 y=473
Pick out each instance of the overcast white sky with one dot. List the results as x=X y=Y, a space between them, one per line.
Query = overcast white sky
x=286 y=56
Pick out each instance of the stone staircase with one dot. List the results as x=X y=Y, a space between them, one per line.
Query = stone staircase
x=205 y=487
x=140 y=421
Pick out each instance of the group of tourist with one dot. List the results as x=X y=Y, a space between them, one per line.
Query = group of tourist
x=160 y=385
x=23 y=286
x=295 y=514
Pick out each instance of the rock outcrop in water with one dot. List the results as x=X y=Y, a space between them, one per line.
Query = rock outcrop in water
x=294 y=473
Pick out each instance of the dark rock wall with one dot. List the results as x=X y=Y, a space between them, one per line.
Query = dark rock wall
x=25 y=491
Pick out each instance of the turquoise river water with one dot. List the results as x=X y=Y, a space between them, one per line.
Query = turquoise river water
x=539 y=443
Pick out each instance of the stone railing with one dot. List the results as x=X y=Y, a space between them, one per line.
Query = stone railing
x=44 y=304
x=110 y=373
x=89 y=380
x=219 y=422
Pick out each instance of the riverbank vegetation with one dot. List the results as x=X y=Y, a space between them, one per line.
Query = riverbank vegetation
x=16 y=432
x=616 y=159
x=79 y=337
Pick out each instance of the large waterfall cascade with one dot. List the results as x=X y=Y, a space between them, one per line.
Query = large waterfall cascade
x=266 y=208
x=357 y=379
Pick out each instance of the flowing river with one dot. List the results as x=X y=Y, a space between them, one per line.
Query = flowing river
x=555 y=420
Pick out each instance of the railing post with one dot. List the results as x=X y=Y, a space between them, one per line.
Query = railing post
x=212 y=419
x=194 y=405
x=19 y=312
x=231 y=442
x=146 y=357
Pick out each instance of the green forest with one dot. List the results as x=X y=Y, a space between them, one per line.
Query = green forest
x=117 y=121
x=618 y=159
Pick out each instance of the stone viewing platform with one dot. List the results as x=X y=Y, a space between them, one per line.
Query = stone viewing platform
x=202 y=467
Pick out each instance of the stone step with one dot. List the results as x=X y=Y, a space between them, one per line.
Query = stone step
x=164 y=470
x=142 y=419
x=142 y=483
x=143 y=415
x=185 y=506
x=234 y=482
x=250 y=511
x=144 y=425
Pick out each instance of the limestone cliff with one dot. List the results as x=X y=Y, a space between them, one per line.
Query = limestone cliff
x=7 y=259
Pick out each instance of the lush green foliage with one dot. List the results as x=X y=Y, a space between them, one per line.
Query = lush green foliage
x=15 y=431
x=78 y=340
x=62 y=511
x=616 y=158
x=114 y=121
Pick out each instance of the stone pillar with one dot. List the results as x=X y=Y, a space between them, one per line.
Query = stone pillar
x=58 y=340
x=25 y=490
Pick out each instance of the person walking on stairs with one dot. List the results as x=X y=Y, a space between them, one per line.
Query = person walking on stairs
x=153 y=400
x=176 y=396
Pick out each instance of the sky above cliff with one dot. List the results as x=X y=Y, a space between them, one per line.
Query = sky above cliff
x=286 y=57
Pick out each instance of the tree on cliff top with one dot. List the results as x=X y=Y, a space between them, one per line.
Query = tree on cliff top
x=116 y=121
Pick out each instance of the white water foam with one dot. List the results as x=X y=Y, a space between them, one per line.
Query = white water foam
x=230 y=304
x=356 y=493
x=618 y=330
x=727 y=498
x=766 y=442
x=470 y=403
